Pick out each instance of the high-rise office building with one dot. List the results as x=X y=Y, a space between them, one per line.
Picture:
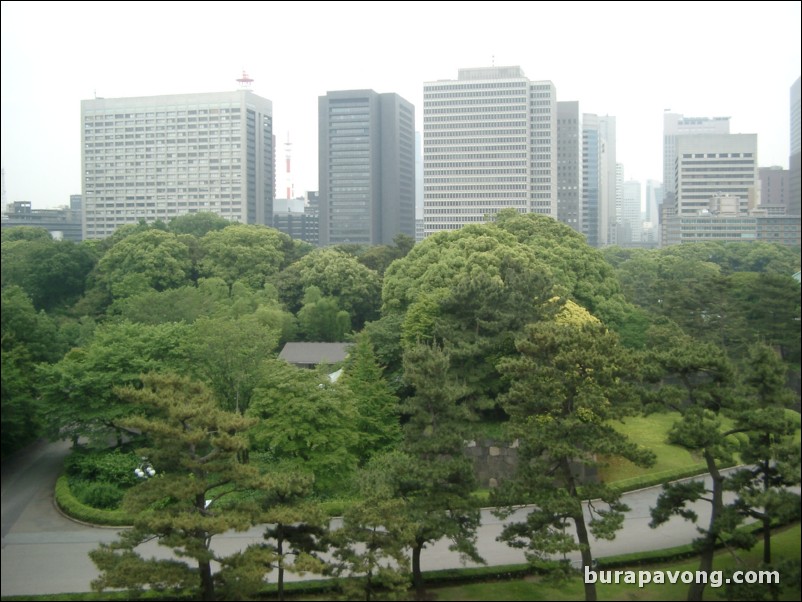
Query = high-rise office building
x=489 y=143
x=715 y=184
x=569 y=164
x=158 y=157
x=630 y=218
x=794 y=167
x=598 y=179
x=366 y=167
x=654 y=198
x=774 y=189
x=713 y=165
x=676 y=125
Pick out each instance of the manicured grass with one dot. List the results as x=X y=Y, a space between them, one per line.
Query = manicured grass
x=785 y=545
x=650 y=432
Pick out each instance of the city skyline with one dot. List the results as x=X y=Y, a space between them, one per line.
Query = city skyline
x=632 y=61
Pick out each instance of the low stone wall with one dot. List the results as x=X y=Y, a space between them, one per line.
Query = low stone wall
x=495 y=461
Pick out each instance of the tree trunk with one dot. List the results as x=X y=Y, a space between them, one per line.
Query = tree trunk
x=766 y=517
x=280 y=550
x=696 y=590
x=581 y=530
x=207 y=584
x=417 y=576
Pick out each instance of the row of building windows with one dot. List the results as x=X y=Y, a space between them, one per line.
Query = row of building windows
x=464 y=102
x=477 y=125
x=477 y=150
x=714 y=156
x=431 y=136
x=430 y=195
x=475 y=176
x=487 y=112
x=482 y=117
x=135 y=146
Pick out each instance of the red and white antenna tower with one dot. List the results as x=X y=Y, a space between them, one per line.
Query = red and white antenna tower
x=288 y=155
x=245 y=81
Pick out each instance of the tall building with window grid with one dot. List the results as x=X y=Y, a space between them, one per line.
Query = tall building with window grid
x=489 y=143
x=366 y=167
x=159 y=157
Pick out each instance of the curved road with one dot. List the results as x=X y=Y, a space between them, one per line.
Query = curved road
x=44 y=552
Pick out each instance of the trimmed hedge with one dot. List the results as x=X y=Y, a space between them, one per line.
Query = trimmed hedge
x=72 y=507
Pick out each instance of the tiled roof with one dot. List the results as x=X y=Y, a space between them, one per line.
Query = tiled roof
x=314 y=353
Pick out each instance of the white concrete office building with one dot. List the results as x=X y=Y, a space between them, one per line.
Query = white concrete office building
x=489 y=143
x=714 y=165
x=158 y=157
x=675 y=126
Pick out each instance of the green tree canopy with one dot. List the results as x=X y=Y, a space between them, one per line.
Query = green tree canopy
x=197 y=224
x=53 y=273
x=337 y=274
x=470 y=290
x=29 y=338
x=435 y=478
x=24 y=233
x=570 y=379
x=193 y=447
x=247 y=253
x=77 y=391
x=700 y=382
x=303 y=417
x=226 y=353
x=148 y=259
x=377 y=409
x=321 y=319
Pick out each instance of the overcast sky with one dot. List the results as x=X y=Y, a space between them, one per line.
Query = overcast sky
x=632 y=60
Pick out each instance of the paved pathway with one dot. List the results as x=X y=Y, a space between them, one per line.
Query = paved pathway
x=43 y=552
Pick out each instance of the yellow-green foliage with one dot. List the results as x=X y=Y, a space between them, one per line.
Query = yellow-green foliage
x=573 y=314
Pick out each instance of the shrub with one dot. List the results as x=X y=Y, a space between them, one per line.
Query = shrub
x=106 y=496
x=115 y=466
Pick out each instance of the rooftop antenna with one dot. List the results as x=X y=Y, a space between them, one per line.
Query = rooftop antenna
x=492 y=60
x=245 y=81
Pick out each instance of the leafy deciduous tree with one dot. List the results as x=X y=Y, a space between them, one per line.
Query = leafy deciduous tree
x=303 y=417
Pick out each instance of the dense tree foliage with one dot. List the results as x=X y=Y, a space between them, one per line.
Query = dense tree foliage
x=570 y=379
x=436 y=478
x=226 y=353
x=52 y=273
x=376 y=407
x=461 y=322
x=193 y=447
x=471 y=290
x=29 y=339
x=197 y=224
x=321 y=319
x=733 y=294
x=338 y=275
x=370 y=549
x=78 y=391
x=150 y=259
x=770 y=455
x=304 y=418
x=700 y=382
x=250 y=254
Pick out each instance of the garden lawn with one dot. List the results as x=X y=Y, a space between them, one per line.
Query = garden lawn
x=650 y=432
